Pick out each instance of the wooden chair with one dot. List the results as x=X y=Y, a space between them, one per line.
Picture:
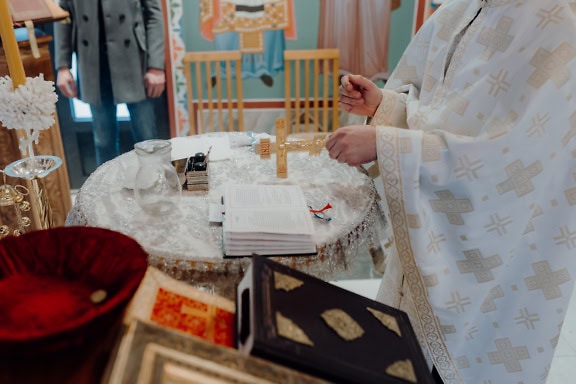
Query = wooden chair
x=311 y=89
x=214 y=86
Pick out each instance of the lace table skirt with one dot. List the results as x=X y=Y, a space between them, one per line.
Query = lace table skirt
x=186 y=246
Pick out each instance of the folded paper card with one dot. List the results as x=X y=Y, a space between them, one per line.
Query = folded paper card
x=187 y=146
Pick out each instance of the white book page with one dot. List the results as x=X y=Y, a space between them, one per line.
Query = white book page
x=264 y=196
x=271 y=220
x=270 y=252
x=267 y=220
x=260 y=237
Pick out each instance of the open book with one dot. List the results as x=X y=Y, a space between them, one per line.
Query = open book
x=267 y=220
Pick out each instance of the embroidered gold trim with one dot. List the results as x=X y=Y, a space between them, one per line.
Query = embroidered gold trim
x=291 y=331
x=388 y=146
x=387 y=320
x=402 y=369
x=285 y=282
x=383 y=114
x=344 y=325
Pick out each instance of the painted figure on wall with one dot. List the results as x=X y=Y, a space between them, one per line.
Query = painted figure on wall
x=258 y=28
x=368 y=24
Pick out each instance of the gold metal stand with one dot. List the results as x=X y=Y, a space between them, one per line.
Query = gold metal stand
x=54 y=188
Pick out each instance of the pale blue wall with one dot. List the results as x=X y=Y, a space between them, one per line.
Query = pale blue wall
x=400 y=31
x=307 y=16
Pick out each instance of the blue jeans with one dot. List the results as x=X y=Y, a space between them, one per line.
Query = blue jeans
x=105 y=126
x=106 y=130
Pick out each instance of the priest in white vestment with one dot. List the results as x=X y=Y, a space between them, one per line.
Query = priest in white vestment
x=474 y=135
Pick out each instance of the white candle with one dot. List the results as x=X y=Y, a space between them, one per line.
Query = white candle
x=11 y=51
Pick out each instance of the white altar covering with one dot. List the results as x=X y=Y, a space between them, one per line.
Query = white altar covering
x=186 y=246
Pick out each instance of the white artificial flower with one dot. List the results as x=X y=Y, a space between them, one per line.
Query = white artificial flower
x=30 y=106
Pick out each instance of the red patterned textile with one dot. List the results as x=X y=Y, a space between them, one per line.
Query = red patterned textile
x=194 y=317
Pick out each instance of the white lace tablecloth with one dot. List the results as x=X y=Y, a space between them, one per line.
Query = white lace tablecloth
x=186 y=246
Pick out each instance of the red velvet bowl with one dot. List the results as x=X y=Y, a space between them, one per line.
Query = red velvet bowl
x=60 y=286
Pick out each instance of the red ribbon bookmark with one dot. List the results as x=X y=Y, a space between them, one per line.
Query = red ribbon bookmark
x=327 y=206
x=319 y=213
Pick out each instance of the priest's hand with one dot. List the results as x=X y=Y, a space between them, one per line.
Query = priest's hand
x=154 y=81
x=353 y=145
x=65 y=82
x=359 y=95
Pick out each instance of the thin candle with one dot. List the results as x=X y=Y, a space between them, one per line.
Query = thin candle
x=15 y=66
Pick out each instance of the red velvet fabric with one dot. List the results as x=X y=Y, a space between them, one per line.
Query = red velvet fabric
x=46 y=281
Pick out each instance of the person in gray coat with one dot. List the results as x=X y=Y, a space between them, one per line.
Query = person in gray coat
x=119 y=46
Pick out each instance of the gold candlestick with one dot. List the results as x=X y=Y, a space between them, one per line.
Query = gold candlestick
x=34 y=167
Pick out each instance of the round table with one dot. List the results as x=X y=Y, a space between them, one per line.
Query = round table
x=185 y=245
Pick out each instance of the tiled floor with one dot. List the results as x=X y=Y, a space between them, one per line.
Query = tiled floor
x=563 y=370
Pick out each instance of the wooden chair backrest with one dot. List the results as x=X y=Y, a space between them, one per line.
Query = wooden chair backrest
x=214 y=85
x=311 y=96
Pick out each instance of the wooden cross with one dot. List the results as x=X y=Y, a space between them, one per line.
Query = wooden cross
x=265 y=148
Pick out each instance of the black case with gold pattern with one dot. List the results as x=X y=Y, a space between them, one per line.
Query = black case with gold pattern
x=297 y=320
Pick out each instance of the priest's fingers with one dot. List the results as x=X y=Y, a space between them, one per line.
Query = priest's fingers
x=360 y=83
x=348 y=88
x=331 y=140
x=336 y=144
x=348 y=104
x=370 y=95
x=336 y=152
x=353 y=145
x=346 y=107
x=351 y=100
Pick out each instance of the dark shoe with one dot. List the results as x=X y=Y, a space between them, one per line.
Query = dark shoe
x=267 y=80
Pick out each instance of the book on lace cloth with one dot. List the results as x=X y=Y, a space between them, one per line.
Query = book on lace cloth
x=38 y=11
x=267 y=220
x=173 y=304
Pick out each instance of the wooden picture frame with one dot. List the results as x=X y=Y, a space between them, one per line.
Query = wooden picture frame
x=166 y=365
x=150 y=354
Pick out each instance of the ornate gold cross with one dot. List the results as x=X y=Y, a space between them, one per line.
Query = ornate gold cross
x=265 y=148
